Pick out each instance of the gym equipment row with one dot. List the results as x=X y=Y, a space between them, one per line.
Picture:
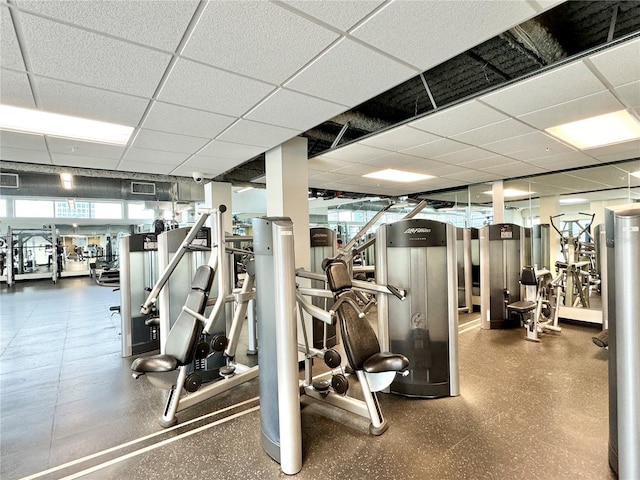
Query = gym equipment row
x=197 y=358
x=25 y=256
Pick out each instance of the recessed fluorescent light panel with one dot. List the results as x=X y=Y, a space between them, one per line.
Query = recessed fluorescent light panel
x=36 y=121
x=397 y=176
x=616 y=127
x=511 y=192
x=245 y=189
x=636 y=174
x=572 y=201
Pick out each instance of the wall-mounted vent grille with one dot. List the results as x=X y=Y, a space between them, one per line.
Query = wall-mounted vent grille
x=141 y=188
x=9 y=180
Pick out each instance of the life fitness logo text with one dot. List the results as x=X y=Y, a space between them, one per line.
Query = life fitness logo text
x=414 y=231
x=319 y=235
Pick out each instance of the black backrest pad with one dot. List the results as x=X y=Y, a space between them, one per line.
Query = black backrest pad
x=338 y=275
x=528 y=276
x=185 y=332
x=202 y=279
x=358 y=337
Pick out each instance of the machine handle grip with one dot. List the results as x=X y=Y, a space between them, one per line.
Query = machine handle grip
x=401 y=294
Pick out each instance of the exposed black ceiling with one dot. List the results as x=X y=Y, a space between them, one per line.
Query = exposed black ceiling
x=566 y=31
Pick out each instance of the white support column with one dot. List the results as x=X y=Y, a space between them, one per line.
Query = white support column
x=288 y=196
x=498 y=201
x=288 y=192
x=216 y=194
x=550 y=206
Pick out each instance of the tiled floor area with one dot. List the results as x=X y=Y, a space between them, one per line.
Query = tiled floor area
x=69 y=405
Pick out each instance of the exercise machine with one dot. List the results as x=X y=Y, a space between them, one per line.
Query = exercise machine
x=190 y=342
x=323 y=243
x=31 y=253
x=538 y=312
x=502 y=257
x=465 y=274
x=280 y=387
x=136 y=275
x=424 y=327
x=576 y=270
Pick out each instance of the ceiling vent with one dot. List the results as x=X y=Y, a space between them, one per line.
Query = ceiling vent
x=141 y=188
x=9 y=180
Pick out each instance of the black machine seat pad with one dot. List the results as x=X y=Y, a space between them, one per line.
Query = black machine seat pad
x=358 y=337
x=386 y=362
x=155 y=363
x=522 y=306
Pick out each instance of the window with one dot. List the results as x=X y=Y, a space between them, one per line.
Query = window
x=3 y=207
x=106 y=210
x=34 y=208
x=81 y=210
x=139 y=211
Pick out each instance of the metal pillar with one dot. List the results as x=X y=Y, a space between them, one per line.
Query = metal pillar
x=627 y=295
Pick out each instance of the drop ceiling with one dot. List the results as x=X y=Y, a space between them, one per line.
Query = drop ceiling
x=211 y=86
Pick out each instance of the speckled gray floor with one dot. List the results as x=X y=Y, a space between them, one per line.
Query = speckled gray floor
x=527 y=411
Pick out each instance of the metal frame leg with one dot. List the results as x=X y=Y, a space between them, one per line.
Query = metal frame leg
x=168 y=418
x=378 y=423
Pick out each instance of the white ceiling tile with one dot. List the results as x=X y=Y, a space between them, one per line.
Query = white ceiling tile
x=493 y=161
x=200 y=86
x=294 y=110
x=619 y=151
x=258 y=134
x=433 y=149
x=250 y=37
x=458 y=119
x=11 y=154
x=463 y=156
x=546 y=90
x=630 y=94
x=514 y=169
x=429 y=167
x=536 y=140
x=153 y=156
x=147 y=167
x=542 y=150
x=81 y=161
x=608 y=176
x=425 y=39
x=572 y=158
x=168 y=142
x=68 y=53
x=399 y=138
x=585 y=107
x=231 y=151
x=356 y=153
x=85 y=149
x=349 y=73
x=25 y=141
x=88 y=102
x=619 y=65
x=185 y=121
x=11 y=56
x=159 y=24
x=331 y=177
x=326 y=164
x=472 y=176
x=357 y=169
x=15 y=89
x=392 y=160
x=494 y=132
x=342 y=14
x=210 y=166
